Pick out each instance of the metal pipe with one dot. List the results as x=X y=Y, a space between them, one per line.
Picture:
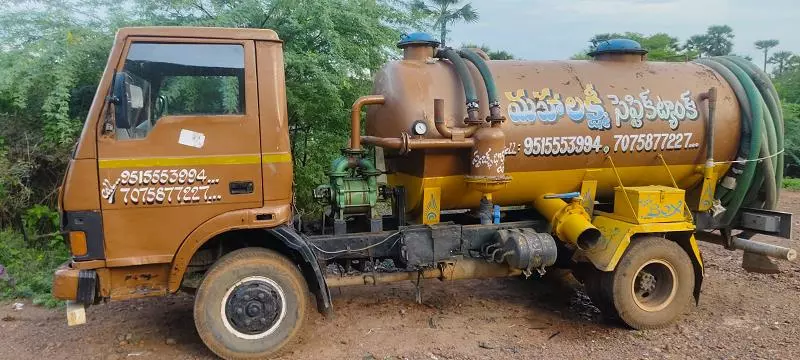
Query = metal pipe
x=355 y=118
x=441 y=124
x=438 y=119
x=774 y=251
x=405 y=143
x=756 y=247
x=459 y=270
x=711 y=96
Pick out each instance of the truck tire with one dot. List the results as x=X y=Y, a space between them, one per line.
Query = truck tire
x=251 y=304
x=651 y=286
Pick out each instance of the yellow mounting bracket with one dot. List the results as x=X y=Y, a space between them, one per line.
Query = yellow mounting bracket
x=709 y=188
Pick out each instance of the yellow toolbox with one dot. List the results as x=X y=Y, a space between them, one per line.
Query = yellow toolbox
x=649 y=204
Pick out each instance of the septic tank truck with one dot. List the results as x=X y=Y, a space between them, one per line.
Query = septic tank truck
x=468 y=168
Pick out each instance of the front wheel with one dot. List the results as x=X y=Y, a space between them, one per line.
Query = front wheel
x=250 y=305
x=651 y=286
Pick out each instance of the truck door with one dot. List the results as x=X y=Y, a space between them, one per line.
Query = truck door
x=184 y=146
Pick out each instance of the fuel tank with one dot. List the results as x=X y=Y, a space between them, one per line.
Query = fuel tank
x=616 y=119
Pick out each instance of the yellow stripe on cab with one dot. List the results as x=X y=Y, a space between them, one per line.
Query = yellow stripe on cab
x=195 y=160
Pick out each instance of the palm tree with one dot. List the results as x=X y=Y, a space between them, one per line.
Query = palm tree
x=445 y=13
x=781 y=59
x=717 y=41
x=766 y=45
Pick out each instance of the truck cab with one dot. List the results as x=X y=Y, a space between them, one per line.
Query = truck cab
x=187 y=138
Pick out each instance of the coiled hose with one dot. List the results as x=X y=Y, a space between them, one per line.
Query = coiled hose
x=759 y=166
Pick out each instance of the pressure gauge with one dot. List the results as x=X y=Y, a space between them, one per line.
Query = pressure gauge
x=420 y=127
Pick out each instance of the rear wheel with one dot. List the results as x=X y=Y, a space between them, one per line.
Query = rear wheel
x=651 y=286
x=251 y=304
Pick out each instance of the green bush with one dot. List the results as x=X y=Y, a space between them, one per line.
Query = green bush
x=791 y=183
x=29 y=266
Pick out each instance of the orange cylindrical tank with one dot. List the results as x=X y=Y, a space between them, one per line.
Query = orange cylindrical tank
x=564 y=119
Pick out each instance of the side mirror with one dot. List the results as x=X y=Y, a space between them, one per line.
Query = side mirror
x=119 y=97
x=161 y=106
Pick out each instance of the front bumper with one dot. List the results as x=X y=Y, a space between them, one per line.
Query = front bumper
x=78 y=285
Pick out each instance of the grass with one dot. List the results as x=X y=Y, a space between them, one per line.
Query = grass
x=29 y=266
x=791 y=184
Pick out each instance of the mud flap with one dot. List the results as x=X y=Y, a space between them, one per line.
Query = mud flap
x=689 y=244
x=310 y=267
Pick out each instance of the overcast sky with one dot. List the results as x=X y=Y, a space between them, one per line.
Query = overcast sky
x=547 y=29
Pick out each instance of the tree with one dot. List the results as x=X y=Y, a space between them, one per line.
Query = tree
x=793 y=63
x=694 y=44
x=717 y=41
x=50 y=61
x=766 y=45
x=788 y=86
x=781 y=59
x=493 y=54
x=791 y=113
x=52 y=53
x=444 y=13
x=331 y=48
x=582 y=55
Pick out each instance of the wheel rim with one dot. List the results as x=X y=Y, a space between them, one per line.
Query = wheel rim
x=253 y=307
x=655 y=285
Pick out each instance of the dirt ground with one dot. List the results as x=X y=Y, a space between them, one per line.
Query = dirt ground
x=740 y=316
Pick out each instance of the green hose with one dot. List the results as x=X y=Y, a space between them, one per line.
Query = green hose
x=733 y=202
x=762 y=123
x=486 y=74
x=770 y=96
x=744 y=105
x=466 y=80
x=773 y=168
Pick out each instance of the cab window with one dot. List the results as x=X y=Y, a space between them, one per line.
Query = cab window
x=180 y=79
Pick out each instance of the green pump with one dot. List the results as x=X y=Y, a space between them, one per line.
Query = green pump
x=352 y=188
